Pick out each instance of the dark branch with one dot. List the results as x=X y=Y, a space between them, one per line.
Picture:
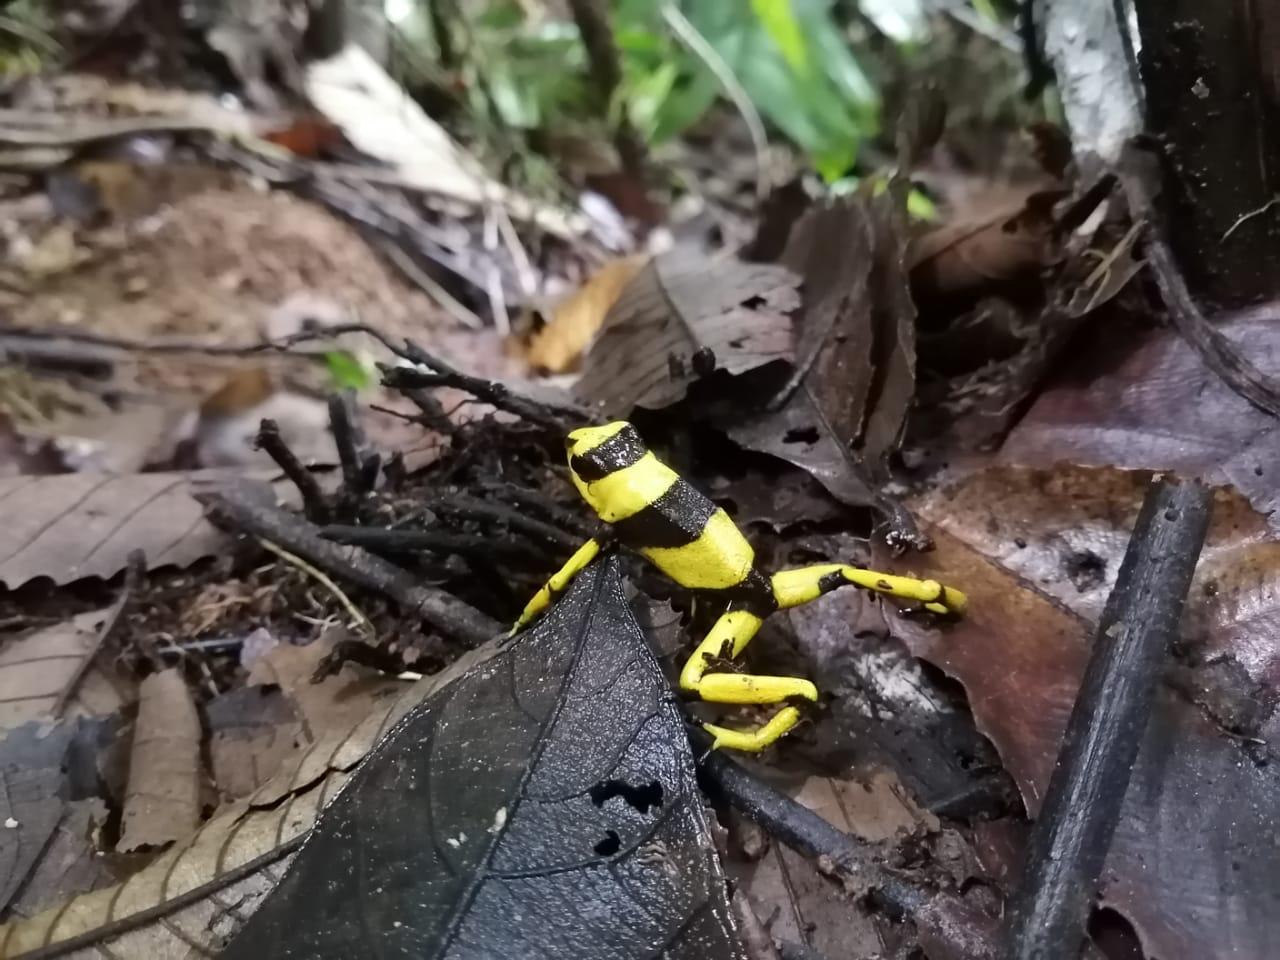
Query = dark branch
x=240 y=508
x=313 y=500
x=844 y=858
x=1072 y=835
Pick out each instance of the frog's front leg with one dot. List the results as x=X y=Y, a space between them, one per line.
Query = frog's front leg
x=791 y=588
x=558 y=582
x=727 y=639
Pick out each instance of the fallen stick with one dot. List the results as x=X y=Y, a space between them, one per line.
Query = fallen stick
x=844 y=858
x=1071 y=837
x=243 y=509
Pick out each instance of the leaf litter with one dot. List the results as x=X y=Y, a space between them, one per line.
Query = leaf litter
x=854 y=334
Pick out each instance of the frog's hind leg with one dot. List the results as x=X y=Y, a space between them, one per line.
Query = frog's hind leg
x=727 y=639
x=791 y=588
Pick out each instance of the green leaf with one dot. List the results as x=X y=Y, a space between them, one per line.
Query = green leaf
x=347 y=372
x=779 y=22
x=645 y=98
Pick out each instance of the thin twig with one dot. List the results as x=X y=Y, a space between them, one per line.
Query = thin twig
x=251 y=510
x=134 y=574
x=172 y=904
x=1073 y=831
x=698 y=44
x=432 y=287
x=366 y=626
x=272 y=443
x=346 y=437
x=178 y=345
x=474 y=508
x=592 y=19
x=382 y=540
x=1140 y=175
x=555 y=418
x=755 y=938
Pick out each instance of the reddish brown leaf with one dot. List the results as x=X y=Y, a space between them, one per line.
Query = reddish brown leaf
x=1200 y=807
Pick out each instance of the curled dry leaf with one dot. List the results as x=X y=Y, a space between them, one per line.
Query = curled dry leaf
x=996 y=248
x=84 y=525
x=198 y=892
x=681 y=316
x=1161 y=408
x=1213 y=720
x=843 y=411
x=162 y=803
x=558 y=347
x=561 y=765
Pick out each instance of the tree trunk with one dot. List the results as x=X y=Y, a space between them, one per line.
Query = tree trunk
x=1212 y=89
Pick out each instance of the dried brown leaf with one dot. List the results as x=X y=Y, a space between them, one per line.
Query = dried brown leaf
x=1200 y=804
x=38 y=669
x=558 y=347
x=84 y=525
x=681 y=316
x=162 y=803
x=252 y=732
x=335 y=702
x=197 y=894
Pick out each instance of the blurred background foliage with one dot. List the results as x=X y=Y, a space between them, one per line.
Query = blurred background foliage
x=821 y=74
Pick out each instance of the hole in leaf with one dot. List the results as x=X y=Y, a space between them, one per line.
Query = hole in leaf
x=640 y=797
x=1114 y=935
x=1085 y=569
x=609 y=845
x=801 y=435
x=753 y=303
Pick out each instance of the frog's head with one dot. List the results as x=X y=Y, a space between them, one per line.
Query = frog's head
x=596 y=452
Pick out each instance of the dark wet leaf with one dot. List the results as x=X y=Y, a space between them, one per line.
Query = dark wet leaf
x=1037 y=551
x=1161 y=408
x=681 y=316
x=544 y=805
x=855 y=353
x=36 y=777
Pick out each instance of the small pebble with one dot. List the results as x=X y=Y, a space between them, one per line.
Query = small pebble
x=10 y=823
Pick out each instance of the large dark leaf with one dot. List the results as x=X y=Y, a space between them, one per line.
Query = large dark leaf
x=544 y=805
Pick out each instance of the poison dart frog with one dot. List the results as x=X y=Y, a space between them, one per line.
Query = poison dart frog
x=651 y=510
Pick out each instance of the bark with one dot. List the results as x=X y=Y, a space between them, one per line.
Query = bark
x=1212 y=91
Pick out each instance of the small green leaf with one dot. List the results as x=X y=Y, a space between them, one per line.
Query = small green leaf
x=779 y=22
x=346 y=371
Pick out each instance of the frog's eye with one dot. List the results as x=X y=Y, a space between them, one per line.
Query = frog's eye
x=588 y=469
